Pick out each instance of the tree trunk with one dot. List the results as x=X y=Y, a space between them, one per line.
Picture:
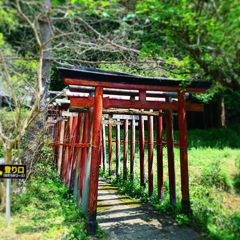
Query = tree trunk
x=36 y=131
x=7 y=182
x=223 y=113
x=7 y=153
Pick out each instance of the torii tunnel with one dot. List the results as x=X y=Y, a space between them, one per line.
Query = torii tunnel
x=98 y=99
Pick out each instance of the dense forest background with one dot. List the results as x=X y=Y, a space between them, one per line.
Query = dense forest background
x=182 y=39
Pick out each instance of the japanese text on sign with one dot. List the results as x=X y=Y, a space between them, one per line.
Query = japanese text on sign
x=13 y=171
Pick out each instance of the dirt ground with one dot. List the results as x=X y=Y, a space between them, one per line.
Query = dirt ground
x=123 y=218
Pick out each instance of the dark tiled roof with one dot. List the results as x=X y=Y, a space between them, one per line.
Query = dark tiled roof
x=119 y=77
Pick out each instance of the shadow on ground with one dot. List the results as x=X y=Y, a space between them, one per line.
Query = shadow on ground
x=123 y=218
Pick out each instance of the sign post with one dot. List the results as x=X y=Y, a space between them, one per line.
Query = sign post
x=8 y=201
x=10 y=172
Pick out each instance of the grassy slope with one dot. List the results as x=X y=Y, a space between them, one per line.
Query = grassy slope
x=45 y=211
x=214 y=159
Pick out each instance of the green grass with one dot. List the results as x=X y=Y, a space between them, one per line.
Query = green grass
x=214 y=169
x=46 y=210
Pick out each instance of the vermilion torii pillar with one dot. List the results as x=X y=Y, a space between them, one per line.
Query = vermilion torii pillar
x=170 y=153
x=182 y=126
x=95 y=159
x=150 y=156
x=132 y=158
x=159 y=156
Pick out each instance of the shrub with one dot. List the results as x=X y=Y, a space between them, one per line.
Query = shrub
x=214 y=176
x=236 y=177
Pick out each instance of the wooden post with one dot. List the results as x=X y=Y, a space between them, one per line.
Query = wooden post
x=159 y=156
x=66 y=153
x=77 y=139
x=110 y=146
x=150 y=155
x=8 y=200
x=56 y=140
x=182 y=126
x=87 y=166
x=77 y=157
x=85 y=139
x=171 y=165
x=94 y=171
x=142 y=98
x=60 y=147
x=132 y=160
x=141 y=146
x=125 y=150
x=87 y=161
x=73 y=139
x=118 y=136
x=104 y=146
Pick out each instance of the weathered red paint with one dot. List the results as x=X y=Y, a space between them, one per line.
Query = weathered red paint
x=132 y=158
x=118 y=136
x=141 y=104
x=142 y=95
x=85 y=140
x=77 y=136
x=56 y=139
x=82 y=101
x=78 y=145
x=66 y=149
x=155 y=105
x=95 y=160
x=73 y=138
x=159 y=157
x=183 y=151
x=171 y=165
x=125 y=149
x=60 y=147
x=150 y=155
x=77 y=153
x=141 y=152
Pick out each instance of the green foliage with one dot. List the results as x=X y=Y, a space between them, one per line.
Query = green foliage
x=10 y=119
x=187 y=28
x=103 y=8
x=231 y=97
x=236 y=178
x=214 y=138
x=196 y=40
x=7 y=17
x=132 y=188
x=213 y=175
x=182 y=219
x=47 y=207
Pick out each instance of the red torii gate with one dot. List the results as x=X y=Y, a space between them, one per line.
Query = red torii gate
x=99 y=87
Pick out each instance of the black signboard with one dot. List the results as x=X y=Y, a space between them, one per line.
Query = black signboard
x=13 y=171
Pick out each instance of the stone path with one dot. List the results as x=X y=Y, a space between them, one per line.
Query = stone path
x=123 y=218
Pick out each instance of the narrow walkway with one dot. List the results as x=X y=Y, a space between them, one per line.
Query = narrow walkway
x=123 y=218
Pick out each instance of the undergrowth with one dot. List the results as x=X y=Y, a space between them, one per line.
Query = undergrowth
x=46 y=210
